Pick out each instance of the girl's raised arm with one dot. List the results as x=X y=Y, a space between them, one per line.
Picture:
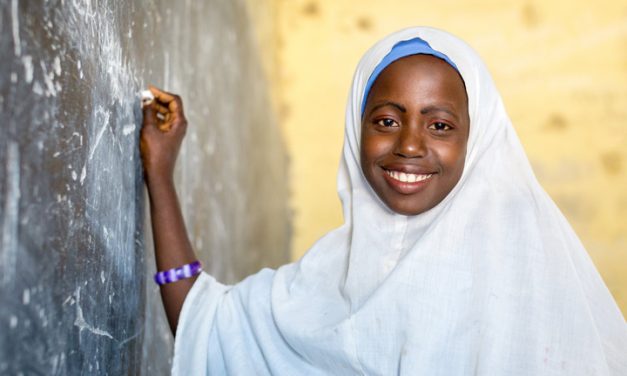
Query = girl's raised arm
x=161 y=137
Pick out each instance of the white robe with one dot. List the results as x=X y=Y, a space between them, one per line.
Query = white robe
x=492 y=281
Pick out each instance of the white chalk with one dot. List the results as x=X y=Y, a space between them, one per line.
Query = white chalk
x=147 y=97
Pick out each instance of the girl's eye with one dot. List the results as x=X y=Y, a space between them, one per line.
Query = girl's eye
x=439 y=126
x=386 y=122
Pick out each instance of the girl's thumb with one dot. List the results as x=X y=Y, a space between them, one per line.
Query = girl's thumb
x=150 y=116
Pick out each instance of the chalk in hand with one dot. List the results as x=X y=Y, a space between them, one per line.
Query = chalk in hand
x=147 y=97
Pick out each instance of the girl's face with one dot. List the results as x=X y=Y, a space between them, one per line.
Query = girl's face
x=414 y=133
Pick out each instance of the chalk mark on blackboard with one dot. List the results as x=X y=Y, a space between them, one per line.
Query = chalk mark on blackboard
x=15 y=21
x=80 y=320
x=105 y=124
x=126 y=340
x=52 y=89
x=27 y=60
x=128 y=129
x=11 y=212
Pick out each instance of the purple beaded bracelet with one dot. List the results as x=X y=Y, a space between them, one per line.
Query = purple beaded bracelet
x=176 y=274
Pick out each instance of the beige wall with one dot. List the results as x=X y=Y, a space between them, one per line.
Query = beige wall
x=561 y=67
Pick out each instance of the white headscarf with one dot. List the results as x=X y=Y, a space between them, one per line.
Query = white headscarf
x=491 y=281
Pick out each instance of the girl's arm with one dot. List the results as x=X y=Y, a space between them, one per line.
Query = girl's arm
x=161 y=138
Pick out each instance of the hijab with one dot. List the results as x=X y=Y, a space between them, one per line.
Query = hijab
x=491 y=281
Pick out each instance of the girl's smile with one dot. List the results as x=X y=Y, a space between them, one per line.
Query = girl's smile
x=414 y=133
x=406 y=183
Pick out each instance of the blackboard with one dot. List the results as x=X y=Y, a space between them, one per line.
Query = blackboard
x=76 y=261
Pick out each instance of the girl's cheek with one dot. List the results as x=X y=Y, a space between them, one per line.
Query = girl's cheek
x=372 y=147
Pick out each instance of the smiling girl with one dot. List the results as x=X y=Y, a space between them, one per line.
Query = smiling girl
x=452 y=260
x=414 y=133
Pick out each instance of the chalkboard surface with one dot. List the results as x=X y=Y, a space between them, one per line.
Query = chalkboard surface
x=76 y=262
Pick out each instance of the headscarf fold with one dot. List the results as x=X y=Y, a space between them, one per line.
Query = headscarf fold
x=491 y=281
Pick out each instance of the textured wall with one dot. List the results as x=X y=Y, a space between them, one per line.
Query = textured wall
x=561 y=67
x=75 y=271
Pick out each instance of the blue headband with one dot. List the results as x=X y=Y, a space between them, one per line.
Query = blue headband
x=400 y=50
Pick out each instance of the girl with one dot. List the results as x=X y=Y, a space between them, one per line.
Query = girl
x=452 y=260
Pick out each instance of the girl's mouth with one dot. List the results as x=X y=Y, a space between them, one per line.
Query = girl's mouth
x=404 y=177
x=406 y=183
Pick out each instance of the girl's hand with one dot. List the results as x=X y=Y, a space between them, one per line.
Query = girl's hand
x=162 y=132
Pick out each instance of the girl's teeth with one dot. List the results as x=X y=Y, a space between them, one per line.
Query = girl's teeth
x=407 y=178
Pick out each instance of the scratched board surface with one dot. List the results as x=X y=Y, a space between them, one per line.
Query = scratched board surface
x=76 y=259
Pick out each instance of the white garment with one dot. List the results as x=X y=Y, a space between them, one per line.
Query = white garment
x=492 y=281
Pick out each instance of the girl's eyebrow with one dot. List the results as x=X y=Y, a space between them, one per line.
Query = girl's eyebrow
x=423 y=111
x=434 y=108
x=400 y=107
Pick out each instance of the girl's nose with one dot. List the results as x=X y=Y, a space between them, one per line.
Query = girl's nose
x=410 y=143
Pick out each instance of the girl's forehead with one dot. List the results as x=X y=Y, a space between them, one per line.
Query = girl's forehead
x=415 y=46
x=427 y=66
x=421 y=75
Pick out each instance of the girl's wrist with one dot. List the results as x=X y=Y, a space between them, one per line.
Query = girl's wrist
x=159 y=180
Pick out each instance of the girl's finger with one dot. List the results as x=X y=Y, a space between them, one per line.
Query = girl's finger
x=150 y=116
x=173 y=101
x=165 y=127
x=161 y=109
x=163 y=96
x=178 y=124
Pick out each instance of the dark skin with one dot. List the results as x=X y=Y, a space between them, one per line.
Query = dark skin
x=415 y=122
x=161 y=138
x=414 y=133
